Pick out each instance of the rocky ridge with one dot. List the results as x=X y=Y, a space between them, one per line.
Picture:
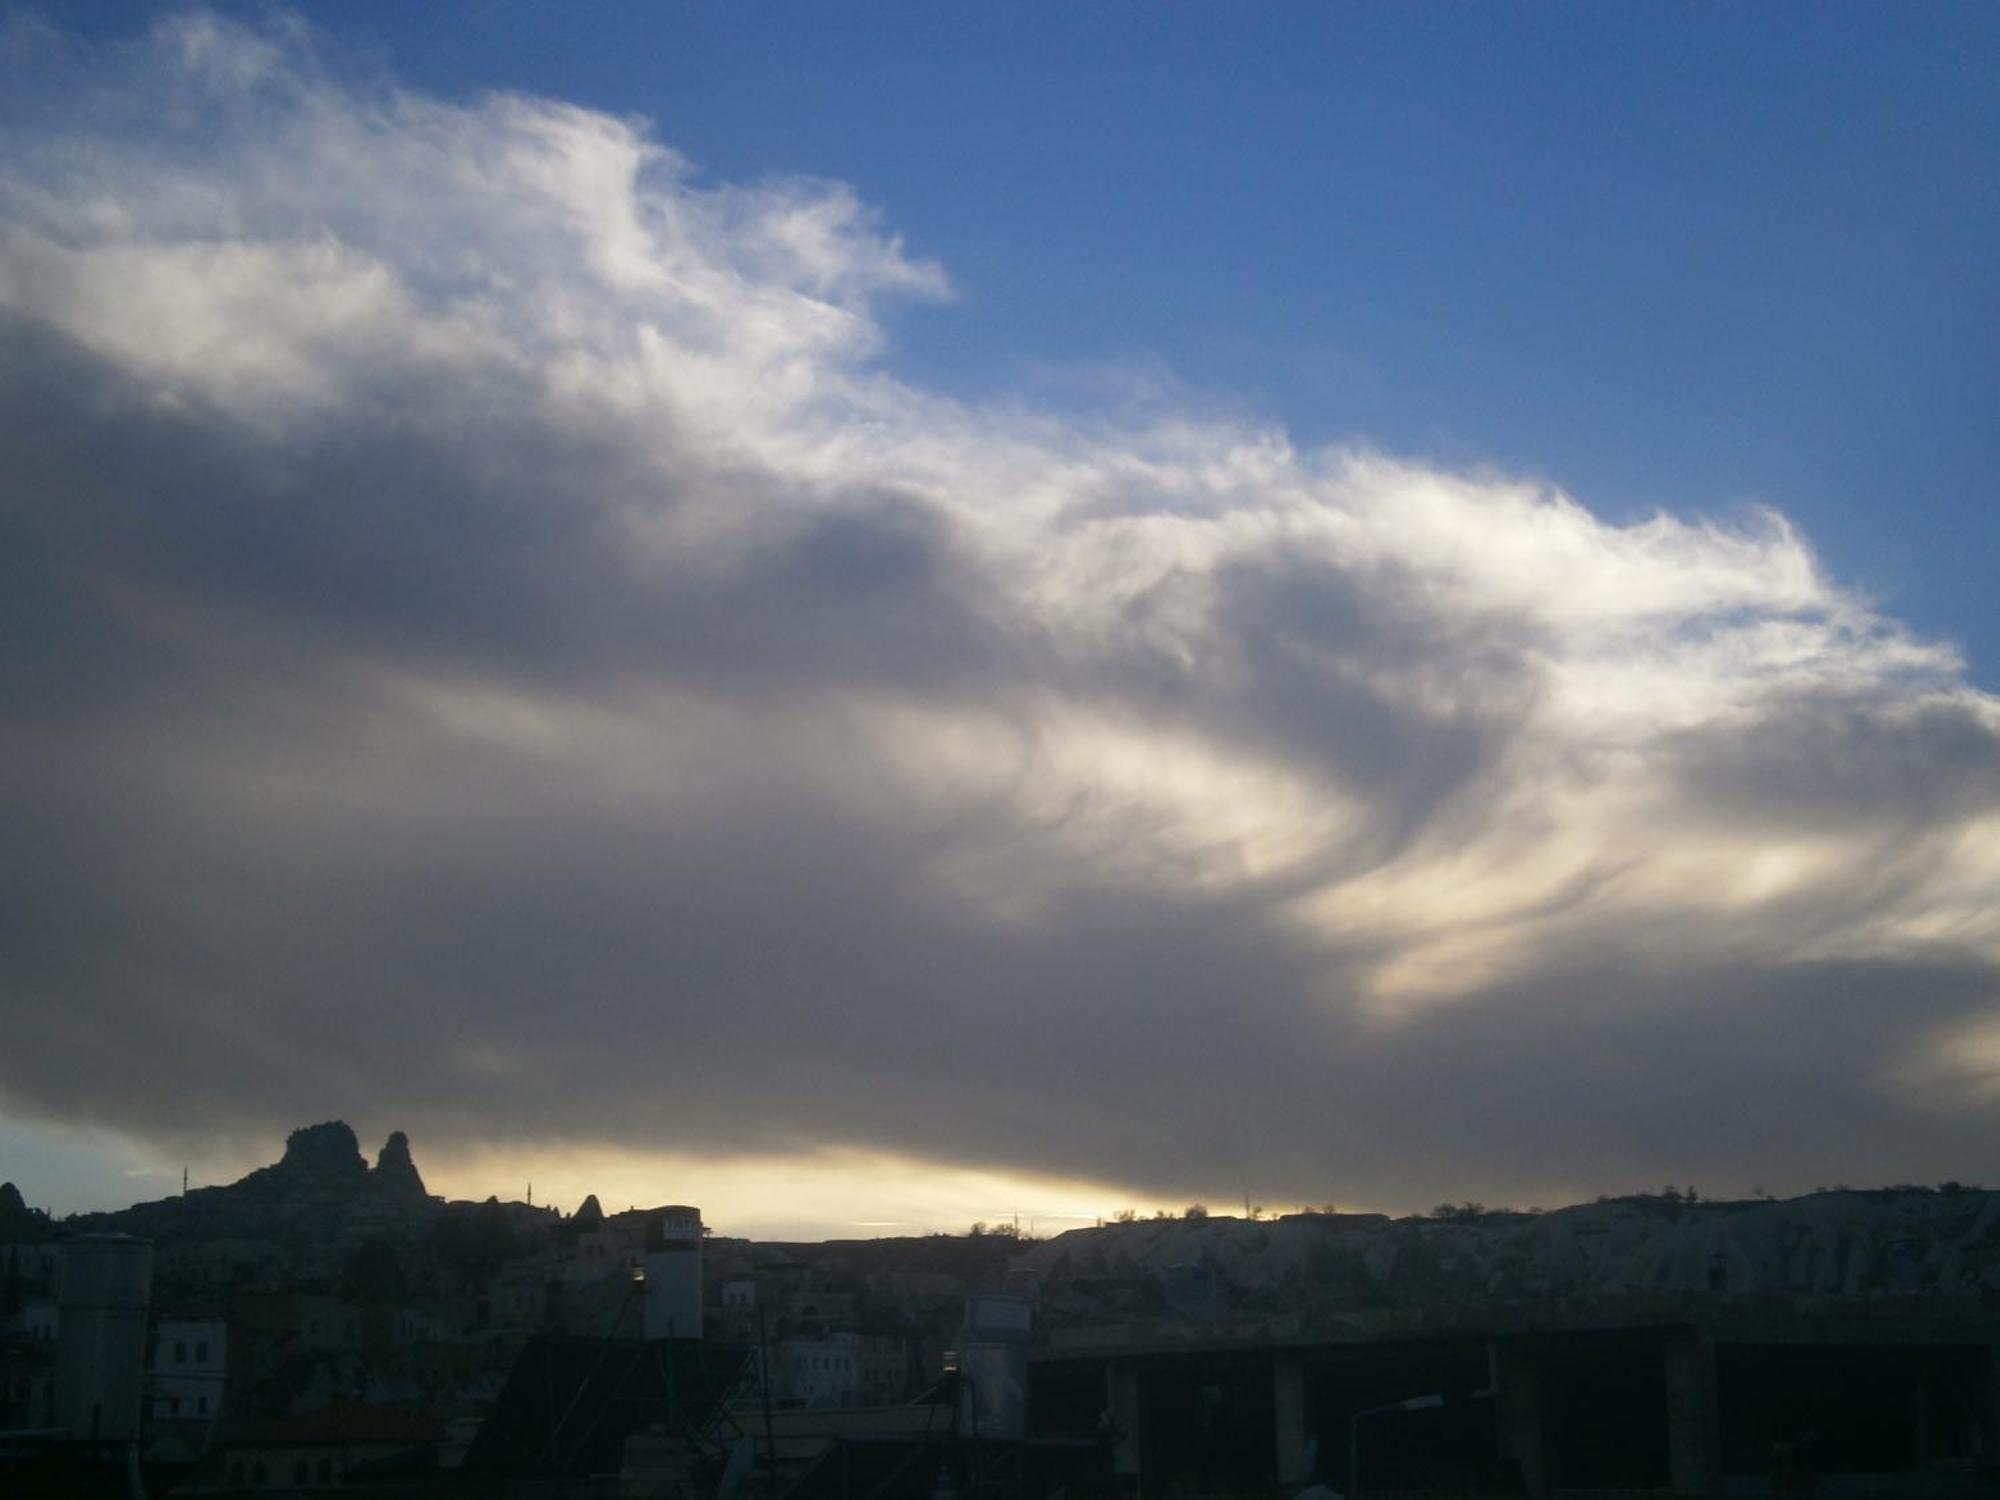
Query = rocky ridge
x=19 y=1224
x=321 y=1191
x=321 y=1200
x=1880 y=1243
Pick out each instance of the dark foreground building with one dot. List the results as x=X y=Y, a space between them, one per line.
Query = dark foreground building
x=570 y=1405
x=1689 y=1393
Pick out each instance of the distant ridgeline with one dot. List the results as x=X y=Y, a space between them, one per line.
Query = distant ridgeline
x=299 y=1218
x=318 y=1211
x=321 y=1181
x=20 y=1224
x=1886 y=1242
x=319 y=1217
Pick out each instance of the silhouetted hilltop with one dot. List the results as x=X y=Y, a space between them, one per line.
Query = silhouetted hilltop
x=19 y=1224
x=321 y=1215
x=328 y=1154
x=320 y=1193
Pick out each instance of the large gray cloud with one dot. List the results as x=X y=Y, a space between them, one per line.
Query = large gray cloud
x=483 y=639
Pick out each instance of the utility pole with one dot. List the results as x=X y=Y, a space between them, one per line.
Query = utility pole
x=764 y=1385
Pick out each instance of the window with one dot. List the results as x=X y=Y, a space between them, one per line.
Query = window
x=180 y=1351
x=301 y=1473
x=201 y=1351
x=259 y=1474
x=326 y=1471
x=201 y=1406
x=236 y=1473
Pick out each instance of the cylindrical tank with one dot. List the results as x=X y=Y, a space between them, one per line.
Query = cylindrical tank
x=993 y=1366
x=107 y=1282
x=673 y=1275
x=993 y=1388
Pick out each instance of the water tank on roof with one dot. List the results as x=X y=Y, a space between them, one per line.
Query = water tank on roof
x=673 y=1275
x=993 y=1365
x=679 y=1222
x=107 y=1282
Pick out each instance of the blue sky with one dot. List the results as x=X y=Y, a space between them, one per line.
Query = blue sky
x=1100 y=605
x=1667 y=256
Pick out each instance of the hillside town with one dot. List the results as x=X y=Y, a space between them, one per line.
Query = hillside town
x=324 y=1325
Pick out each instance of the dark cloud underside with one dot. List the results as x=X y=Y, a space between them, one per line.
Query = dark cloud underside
x=481 y=638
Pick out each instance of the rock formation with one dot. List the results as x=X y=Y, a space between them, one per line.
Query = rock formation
x=313 y=1204
x=19 y=1224
x=395 y=1170
x=328 y=1150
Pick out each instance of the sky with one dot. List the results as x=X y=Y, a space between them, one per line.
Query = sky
x=879 y=616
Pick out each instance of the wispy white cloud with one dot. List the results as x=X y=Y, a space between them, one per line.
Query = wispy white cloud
x=494 y=637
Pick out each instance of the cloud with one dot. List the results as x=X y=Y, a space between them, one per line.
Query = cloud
x=494 y=650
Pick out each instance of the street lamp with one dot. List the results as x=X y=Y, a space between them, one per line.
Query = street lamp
x=1415 y=1403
